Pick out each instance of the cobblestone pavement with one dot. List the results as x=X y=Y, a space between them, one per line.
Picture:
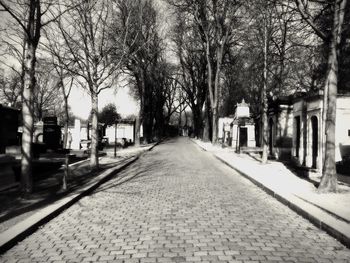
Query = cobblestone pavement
x=178 y=204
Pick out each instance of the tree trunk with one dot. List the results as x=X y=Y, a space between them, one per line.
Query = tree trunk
x=264 y=128
x=217 y=91
x=197 y=121
x=28 y=119
x=159 y=118
x=206 y=135
x=40 y=112
x=329 y=175
x=139 y=118
x=209 y=121
x=66 y=122
x=206 y=131
x=146 y=125
x=180 y=117
x=147 y=119
x=159 y=127
x=94 y=132
x=215 y=125
x=138 y=128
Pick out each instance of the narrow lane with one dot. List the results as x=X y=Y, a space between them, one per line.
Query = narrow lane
x=178 y=204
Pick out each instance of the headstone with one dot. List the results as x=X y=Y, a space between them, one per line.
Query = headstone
x=38 y=132
x=51 y=133
x=51 y=120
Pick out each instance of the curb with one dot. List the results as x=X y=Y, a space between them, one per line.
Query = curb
x=154 y=145
x=18 y=232
x=321 y=224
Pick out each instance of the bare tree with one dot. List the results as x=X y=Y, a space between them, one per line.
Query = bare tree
x=192 y=67
x=264 y=25
x=176 y=100
x=95 y=49
x=161 y=73
x=47 y=94
x=144 y=66
x=55 y=48
x=30 y=16
x=66 y=83
x=215 y=21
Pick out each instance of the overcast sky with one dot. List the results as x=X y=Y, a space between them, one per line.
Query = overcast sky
x=80 y=101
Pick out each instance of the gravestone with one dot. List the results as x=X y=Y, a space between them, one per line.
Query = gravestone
x=51 y=133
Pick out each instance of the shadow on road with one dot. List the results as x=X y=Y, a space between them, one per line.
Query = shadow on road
x=47 y=189
x=136 y=172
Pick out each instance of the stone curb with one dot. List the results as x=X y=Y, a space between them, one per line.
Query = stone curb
x=21 y=230
x=155 y=144
x=299 y=207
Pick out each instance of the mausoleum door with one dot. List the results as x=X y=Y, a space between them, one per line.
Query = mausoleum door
x=270 y=135
x=243 y=136
x=297 y=135
x=314 y=125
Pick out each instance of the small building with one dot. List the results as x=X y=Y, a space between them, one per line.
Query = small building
x=307 y=127
x=243 y=127
x=238 y=131
x=81 y=134
x=125 y=129
x=280 y=127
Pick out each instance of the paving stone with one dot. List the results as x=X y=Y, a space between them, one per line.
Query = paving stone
x=178 y=204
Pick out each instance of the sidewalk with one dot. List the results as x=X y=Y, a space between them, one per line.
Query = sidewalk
x=330 y=212
x=20 y=217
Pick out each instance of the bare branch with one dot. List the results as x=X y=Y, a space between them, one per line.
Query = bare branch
x=308 y=19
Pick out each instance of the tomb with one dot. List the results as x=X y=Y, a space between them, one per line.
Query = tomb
x=125 y=129
x=307 y=130
x=51 y=133
x=280 y=128
x=238 y=131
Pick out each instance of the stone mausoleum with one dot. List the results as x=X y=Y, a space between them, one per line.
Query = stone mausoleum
x=239 y=130
x=280 y=126
x=307 y=127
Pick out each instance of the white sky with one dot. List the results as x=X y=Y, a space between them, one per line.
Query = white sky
x=80 y=102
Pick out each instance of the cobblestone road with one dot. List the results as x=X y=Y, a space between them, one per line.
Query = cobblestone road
x=178 y=204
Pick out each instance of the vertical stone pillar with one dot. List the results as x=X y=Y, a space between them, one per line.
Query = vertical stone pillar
x=76 y=135
x=309 y=131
